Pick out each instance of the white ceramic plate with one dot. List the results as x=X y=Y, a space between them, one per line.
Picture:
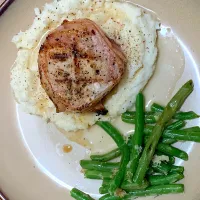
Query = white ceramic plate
x=32 y=162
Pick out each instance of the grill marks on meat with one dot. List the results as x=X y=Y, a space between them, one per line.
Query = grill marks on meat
x=79 y=65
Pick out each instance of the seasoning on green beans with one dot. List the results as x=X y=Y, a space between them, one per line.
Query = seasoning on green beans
x=121 y=143
x=162 y=168
x=107 y=157
x=79 y=195
x=172 y=107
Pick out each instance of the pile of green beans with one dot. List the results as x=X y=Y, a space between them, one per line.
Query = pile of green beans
x=170 y=110
x=137 y=174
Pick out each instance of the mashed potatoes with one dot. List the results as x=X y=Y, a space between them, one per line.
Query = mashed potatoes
x=128 y=25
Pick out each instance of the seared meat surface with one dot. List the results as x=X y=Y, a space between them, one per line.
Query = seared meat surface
x=79 y=65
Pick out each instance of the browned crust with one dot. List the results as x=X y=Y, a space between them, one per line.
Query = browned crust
x=75 y=57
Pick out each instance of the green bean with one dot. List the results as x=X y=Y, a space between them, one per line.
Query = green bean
x=150 y=117
x=178 y=169
x=164 y=180
x=192 y=129
x=150 y=191
x=150 y=171
x=172 y=160
x=110 y=197
x=188 y=134
x=132 y=114
x=172 y=151
x=176 y=125
x=107 y=157
x=157 y=108
x=128 y=120
x=113 y=132
x=148 y=129
x=79 y=195
x=103 y=189
x=168 y=141
x=93 y=174
x=182 y=135
x=99 y=166
x=129 y=187
x=129 y=114
x=146 y=139
x=137 y=140
x=162 y=168
x=156 y=190
x=122 y=169
x=129 y=143
x=186 y=115
x=163 y=140
x=121 y=143
x=148 y=120
x=105 y=186
x=106 y=182
x=180 y=115
x=169 y=111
